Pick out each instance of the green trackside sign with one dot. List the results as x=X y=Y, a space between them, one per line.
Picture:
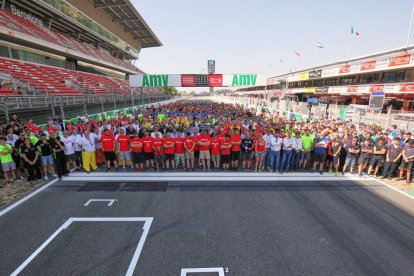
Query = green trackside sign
x=155 y=81
x=244 y=80
x=197 y=80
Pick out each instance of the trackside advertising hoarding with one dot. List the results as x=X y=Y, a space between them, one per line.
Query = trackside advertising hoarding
x=197 y=80
x=397 y=61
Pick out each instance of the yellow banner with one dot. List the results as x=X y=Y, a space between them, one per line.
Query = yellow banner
x=304 y=76
x=309 y=89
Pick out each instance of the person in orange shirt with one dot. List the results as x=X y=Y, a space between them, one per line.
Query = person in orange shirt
x=215 y=151
x=168 y=144
x=108 y=147
x=204 y=145
x=147 y=142
x=189 y=145
x=137 y=155
x=179 y=150
x=225 y=147
x=158 y=149
x=124 y=147
x=235 y=140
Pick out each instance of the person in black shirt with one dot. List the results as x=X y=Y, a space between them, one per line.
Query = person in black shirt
x=130 y=130
x=352 y=149
x=46 y=154
x=393 y=155
x=31 y=161
x=247 y=146
x=18 y=144
x=366 y=153
x=407 y=160
x=58 y=148
x=378 y=158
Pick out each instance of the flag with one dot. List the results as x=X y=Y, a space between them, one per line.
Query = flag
x=354 y=31
x=318 y=44
x=296 y=54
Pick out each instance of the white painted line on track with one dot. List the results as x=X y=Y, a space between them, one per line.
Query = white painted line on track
x=393 y=188
x=134 y=261
x=110 y=201
x=234 y=178
x=30 y=195
x=207 y=174
x=219 y=270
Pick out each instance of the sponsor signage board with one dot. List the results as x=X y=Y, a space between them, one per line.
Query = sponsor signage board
x=315 y=74
x=215 y=80
x=211 y=66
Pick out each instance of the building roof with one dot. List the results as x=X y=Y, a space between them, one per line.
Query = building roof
x=394 y=51
x=125 y=14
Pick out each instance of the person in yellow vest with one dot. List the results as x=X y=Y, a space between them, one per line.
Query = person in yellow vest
x=88 y=152
x=7 y=162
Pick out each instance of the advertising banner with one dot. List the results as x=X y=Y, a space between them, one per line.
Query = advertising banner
x=188 y=80
x=345 y=69
x=399 y=60
x=211 y=66
x=315 y=74
x=215 y=80
x=407 y=87
x=369 y=65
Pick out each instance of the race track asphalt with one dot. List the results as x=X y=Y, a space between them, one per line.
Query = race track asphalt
x=270 y=227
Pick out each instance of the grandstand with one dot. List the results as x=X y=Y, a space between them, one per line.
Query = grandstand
x=79 y=50
x=349 y=82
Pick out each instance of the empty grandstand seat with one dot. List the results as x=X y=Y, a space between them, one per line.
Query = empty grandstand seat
x=60 y=81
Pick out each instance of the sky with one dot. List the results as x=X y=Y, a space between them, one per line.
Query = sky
x=253 y=36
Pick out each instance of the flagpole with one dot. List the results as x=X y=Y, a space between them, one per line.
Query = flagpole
x=349 y=47
x=409 y=28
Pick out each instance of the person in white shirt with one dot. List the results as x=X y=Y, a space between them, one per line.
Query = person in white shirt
x=288 y=147
x=78 y=151
x=88 y=152
x=11 y=138
x=296 y=153
x=70 y=156
x=267 y=137
x=275 y=147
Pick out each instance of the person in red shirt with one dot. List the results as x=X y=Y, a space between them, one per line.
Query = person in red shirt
x=189 y=145
x=169 y=151
x=235 y=140
x=147 y=142
x=225 y=147
x=215 y=151
x=124 y=143
x=179 y=150
x=137 y=155
x=204 y=146
x=158 y=149
x=108 y=147
x=260 y=151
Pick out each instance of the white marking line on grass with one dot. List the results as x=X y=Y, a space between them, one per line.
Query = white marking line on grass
x=209 y=179
x=393 y=188
x=219 y=270
x=134 y=261
x=110 y=201
x=30 y=195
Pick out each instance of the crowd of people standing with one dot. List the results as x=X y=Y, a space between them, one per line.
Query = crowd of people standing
x=205 y=136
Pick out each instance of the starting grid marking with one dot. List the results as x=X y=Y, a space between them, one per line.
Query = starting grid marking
x=219 y=270
x=110 y=201
x=134 y=261
x=210 y=176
